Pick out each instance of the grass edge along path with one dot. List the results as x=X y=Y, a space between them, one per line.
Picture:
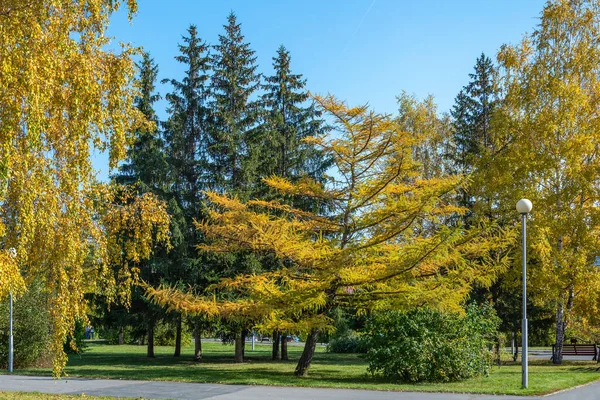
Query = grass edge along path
x=44 y=396
x=348 y=371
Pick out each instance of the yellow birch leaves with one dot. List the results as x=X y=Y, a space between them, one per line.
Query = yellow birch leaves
x=63 y=95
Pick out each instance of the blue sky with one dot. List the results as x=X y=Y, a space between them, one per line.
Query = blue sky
x=363 y=51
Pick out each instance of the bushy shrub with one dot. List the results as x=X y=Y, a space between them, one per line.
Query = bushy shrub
x=31 y=327
x=112 y=335
x=429 y=346
x=348 y=343
x=165 y=331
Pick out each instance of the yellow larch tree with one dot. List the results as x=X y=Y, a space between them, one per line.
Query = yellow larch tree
x=63 y=95
x=368 y=250
x=548 y=133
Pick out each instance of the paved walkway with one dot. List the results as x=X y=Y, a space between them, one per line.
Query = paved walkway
x=193 y=391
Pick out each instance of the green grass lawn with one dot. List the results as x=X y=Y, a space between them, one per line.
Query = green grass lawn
x=327 y=370
x=42 y=396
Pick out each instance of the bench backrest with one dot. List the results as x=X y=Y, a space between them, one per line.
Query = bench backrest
x=579 y=349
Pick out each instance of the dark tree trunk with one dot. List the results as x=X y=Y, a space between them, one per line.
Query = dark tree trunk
x=240 y=340
x=150 y=352
x=562 y=318
x=307 y=354
x=284 y=353
x=275 y=355
x=121 y=336
x=497 y=351
x=178 y=338
x=516 y=353
x=197 y=342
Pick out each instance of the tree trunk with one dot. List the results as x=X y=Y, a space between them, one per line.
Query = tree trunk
x=121 y=336
x=178 y=338
x=512 y=345
x=560 y=333
x=239 y=347
x=150 y=352
x=516 y=353
x=197 y=343
x=497 y=351
x=307 y=354
x=284 y=352
x=275 y=353
x=562 y=318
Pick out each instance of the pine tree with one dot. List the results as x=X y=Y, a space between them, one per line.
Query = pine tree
x=186 y=127
x=290 y=117
x=146 y=169
x=186 y=148
x=233 y=163
x=232 y=153
x=472 y=113
x=145 y=163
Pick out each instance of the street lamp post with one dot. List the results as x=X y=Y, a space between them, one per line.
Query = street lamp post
x=13 y=253
x=524 y=207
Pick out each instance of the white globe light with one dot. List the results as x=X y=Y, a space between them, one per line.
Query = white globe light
x=524 y=206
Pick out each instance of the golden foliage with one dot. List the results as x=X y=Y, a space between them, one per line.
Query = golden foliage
x=548 y=135
x=10 y=276
x=383 y=243
x=63 y=95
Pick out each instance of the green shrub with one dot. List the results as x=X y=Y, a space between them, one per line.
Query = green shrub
x=430 y=346
x=31 y=327
x=348 y=343
x=111 y=334
x=164 y=334
x=75 y=343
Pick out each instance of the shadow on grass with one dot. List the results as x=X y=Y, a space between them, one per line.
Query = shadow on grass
x=260 y=376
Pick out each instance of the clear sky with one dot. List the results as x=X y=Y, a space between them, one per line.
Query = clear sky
x=363 y=51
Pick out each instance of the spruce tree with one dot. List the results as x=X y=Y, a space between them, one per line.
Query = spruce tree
x=146 y=168
x=233 y=163
x=185 y=133
x=290 y=116
x=472 y=113
x=145 y=163
x=233 y=153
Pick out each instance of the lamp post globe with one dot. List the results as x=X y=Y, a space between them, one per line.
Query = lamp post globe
x=524 y=206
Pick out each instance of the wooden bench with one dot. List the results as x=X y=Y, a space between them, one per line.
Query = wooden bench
x=579 y=350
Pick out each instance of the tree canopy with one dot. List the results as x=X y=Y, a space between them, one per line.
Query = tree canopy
x=64 y=96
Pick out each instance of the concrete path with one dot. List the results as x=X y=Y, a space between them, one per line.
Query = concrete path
x=192 y=391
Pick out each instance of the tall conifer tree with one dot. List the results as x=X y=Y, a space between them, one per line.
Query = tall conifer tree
x=145 y=167
x=145 y=163
x=472 y=113
x=186 y=137
x=235 y=112
x=290 y=117
x=232 y=152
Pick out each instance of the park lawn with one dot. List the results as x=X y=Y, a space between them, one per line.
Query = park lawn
x=328 y=370
x=43 y=396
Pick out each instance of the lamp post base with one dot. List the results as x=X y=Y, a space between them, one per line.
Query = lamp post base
x=524 y=357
